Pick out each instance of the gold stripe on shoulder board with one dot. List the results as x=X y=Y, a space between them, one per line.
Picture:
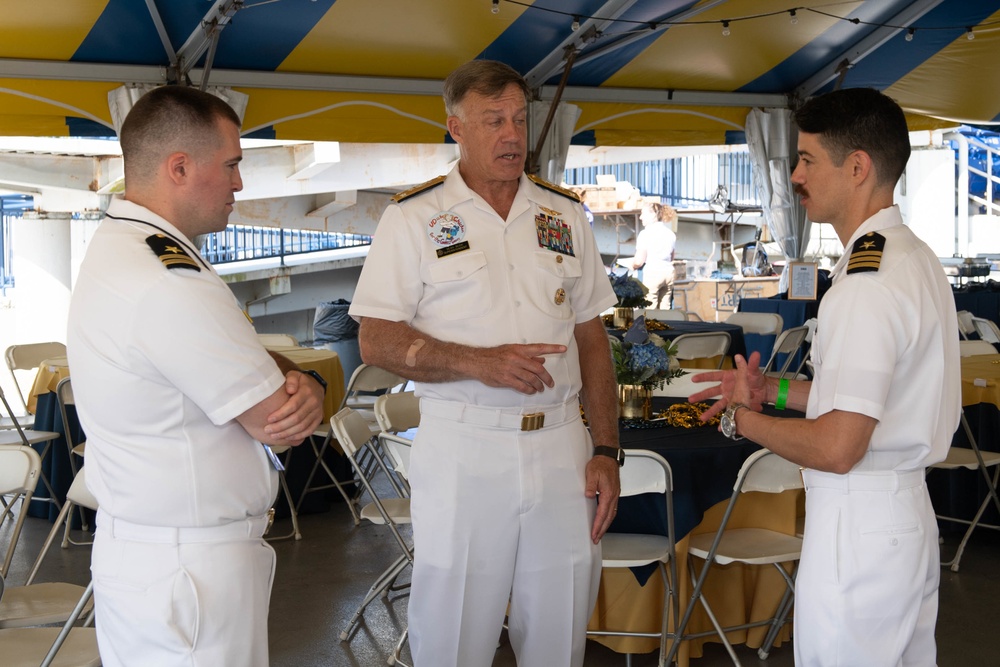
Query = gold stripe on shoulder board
x=417 y=189
x=866 y=253
x=554 y=188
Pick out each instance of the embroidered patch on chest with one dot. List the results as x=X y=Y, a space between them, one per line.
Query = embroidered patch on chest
x=446 y=229
x=553 y=232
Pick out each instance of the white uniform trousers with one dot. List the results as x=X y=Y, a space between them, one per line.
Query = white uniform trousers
x=196 y=597
x=659 y=280
x=500 y=514
x=867 y=587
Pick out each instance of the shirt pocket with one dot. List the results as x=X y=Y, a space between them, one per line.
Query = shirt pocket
x=556 y=278
x=458 y=287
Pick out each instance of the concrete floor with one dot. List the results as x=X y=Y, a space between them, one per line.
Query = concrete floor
x=321 y=579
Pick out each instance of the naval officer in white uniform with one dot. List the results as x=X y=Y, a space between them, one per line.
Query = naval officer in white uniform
x=485 y=287
x=884 y=403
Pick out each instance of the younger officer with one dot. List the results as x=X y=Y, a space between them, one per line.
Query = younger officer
x=884 y=403
x=176 y=395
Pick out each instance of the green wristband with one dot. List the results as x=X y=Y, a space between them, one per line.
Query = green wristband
x=781 y=400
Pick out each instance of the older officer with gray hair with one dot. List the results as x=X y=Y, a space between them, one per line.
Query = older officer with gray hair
x=484 y=286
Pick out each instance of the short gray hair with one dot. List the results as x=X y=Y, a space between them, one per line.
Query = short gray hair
x=485 y=77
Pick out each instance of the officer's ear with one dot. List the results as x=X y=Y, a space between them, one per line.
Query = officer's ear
x=178 y=166
x=454 y=124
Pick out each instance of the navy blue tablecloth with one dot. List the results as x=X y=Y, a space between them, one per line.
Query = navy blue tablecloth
x=56 y=464
x=704 y=464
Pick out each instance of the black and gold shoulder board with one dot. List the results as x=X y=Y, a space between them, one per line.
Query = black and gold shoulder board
x=569 y=194
x=866 y=254
x=417 y=189
x=171 y=253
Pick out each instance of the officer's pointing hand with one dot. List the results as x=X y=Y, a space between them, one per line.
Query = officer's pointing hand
x=517 y=367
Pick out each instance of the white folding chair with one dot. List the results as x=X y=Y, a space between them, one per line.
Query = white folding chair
x=682 y=386
x=706 y=345
x=277 y=340
x=24 y=360
x=77 y=496
x=765 y=472
x=397 y=413
x=353 y=433
x=360 y=395
x=646 y=472
x=29 y=604
x=65 y=398
x=672 y=314
x=67 y=646
x=765 y=324
x=971 y=458
x=965 y=325
x=283 y=483
x=27 y=437
x=788 y=343
x=986 y=329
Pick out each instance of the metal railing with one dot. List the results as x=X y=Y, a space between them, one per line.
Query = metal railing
x=243 y=242
x=683 y=182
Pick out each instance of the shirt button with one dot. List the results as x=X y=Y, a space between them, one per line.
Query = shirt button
x=517 y=304
x=559 y=259
x=510 y=266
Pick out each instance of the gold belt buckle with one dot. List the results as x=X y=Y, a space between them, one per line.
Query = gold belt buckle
x=270 y=521
x=532 y=422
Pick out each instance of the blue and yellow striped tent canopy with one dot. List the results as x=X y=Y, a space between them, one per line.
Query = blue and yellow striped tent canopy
x=644 y=72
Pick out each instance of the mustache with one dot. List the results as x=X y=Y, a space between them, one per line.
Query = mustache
x=799 y=190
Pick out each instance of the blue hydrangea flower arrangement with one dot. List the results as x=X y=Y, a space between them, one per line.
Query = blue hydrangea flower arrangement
x=644 y=359
x=630 y=291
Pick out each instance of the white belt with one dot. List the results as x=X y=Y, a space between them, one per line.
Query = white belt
x=249 y=528
x=521 y=419
x=892 y=480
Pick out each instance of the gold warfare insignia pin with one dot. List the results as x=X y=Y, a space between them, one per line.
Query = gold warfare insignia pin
x=171 y=253
x=560 y=296
x=866 y=253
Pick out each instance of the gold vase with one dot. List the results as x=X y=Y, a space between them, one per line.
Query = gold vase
x=635 y=401
x=622 y=318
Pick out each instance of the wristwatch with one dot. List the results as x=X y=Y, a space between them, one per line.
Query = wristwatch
x=319 y=378
x=728 y=421
x=616 y=453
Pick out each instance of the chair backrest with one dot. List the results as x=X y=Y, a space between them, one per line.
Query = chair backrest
x=788 y=343
x=666 y=315
x=644 y=471
x=277 y=340
x=369 y=379
x=702 y=345
x=64 y=396
x=20 y=470
x=972 y=348
x=28 y=357
x=397 y=412
x=767 y=472
x=986 y=329
x=965 y=325
x=398 y=449
x=766 y=324
x=351 y=431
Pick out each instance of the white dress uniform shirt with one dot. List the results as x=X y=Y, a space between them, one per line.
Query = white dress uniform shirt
x=881 y=351
x=163 y=361
x=510 y=285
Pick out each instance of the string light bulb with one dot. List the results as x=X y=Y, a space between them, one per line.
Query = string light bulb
x=496 y=7
x=793 y=18
x=969 y=35
x=725 y=28
x=909 y=34
x=576 y=23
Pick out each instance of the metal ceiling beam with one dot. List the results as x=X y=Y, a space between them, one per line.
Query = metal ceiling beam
x=206 y=34
x=78 y=71
x=636 y=36
x=161 y=30
x=667 y=97
x=865 y=47
x=552 y=63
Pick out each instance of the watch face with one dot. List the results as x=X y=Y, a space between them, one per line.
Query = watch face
x=728 y=425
